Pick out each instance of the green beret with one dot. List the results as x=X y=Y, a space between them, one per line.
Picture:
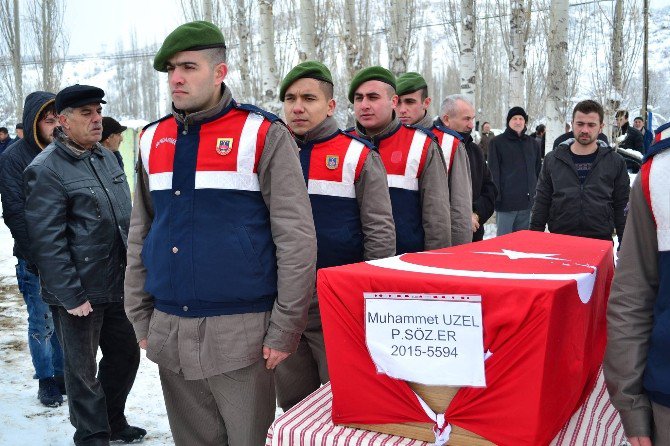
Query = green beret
x=310 y=69
x=192 y=36
x=409 y=83
x=375 y=73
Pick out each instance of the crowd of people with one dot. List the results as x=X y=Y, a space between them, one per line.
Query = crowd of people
x=211 y=268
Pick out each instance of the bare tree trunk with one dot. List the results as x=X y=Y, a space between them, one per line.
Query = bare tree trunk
x=244 y=49
x=517 y=59
x=617 y=50
x=268 y=65
x=557 y=77
x=350 y=36
x=16 y=63
x=207 y=10
x=46 y=18
x=400 y=24
x=467 y=50
x=11 y=36
x=428 y=75
x=307 y=30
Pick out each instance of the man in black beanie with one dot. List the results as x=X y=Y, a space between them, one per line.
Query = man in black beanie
x=515 y=164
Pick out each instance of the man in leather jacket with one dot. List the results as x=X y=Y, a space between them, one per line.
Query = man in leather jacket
x=77 y=212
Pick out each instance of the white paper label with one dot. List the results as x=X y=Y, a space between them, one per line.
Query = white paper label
x=432 y=339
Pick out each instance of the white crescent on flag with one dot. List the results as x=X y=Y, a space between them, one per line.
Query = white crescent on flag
x=585 y=280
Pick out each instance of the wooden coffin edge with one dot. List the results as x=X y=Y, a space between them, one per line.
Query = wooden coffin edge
x=424 y=432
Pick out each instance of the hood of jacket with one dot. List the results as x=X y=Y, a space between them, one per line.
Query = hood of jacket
x=35 y=103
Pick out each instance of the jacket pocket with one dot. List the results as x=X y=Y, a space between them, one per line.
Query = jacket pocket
x=159 y=332
x=248 y=249
x=92 y=263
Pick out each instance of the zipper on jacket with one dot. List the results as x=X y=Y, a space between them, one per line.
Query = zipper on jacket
x=185 y=131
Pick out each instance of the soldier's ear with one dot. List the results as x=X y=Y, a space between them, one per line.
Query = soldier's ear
x=331 y=107
x=220 y=72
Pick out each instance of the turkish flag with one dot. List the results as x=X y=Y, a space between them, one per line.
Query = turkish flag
x=543 y=306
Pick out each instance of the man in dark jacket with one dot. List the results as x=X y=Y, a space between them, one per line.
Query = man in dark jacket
x=647 y=134
x=457 y=113
x=112 y=136
x=629 y=136
x=77 y=212
x=583 y=186
x=5 y=140
x=485 y=139
x=515 y=163
x=39 y=111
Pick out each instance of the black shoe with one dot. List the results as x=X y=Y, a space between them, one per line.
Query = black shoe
x=60 y=382
x=48 y=393
x=128 y=434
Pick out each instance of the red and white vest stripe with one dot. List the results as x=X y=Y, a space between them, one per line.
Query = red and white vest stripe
x=404 y=156
x=227 y=156
x=656 y=184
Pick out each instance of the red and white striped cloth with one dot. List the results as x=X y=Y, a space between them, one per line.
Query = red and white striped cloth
x=596 y=423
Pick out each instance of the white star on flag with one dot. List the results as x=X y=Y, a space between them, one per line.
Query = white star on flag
x=516 y=255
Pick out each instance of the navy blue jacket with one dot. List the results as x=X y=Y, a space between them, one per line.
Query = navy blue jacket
x=13 y=162
x=515 y=166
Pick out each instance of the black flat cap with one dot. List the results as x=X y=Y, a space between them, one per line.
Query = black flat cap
x=111 y=126
x=77 y=96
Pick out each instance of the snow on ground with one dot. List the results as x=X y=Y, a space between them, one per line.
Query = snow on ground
x=23 y=419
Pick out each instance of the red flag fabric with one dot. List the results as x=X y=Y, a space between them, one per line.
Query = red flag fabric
x=543 y=307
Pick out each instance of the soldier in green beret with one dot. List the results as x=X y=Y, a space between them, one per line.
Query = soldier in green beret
x=412 y=109
x=351 y=207
x=221 y=249
x=415 y=167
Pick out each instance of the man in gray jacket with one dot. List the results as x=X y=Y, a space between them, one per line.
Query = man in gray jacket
x=222 y=250
x=351 y=206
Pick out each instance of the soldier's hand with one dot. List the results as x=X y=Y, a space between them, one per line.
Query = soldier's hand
x=639 y=441
x=273 y=357
x=143 y=344
x=82 y=310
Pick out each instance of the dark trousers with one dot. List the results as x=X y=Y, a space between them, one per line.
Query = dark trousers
x=97 y=404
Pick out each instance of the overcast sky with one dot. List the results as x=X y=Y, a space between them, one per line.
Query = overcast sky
x=97 y=27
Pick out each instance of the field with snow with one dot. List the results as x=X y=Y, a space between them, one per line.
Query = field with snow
x=23 y=419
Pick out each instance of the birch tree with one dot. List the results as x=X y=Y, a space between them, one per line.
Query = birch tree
x=557 y=77
x=401 y=22
x=242 y=14
x=270 y=78
x=613 y=68
x=617 y=49
x=467 y=50
x=518 y=34
x=307 y=30
x=10 y=30
x=208 y=10
x=49 y=39
x=491 y=92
